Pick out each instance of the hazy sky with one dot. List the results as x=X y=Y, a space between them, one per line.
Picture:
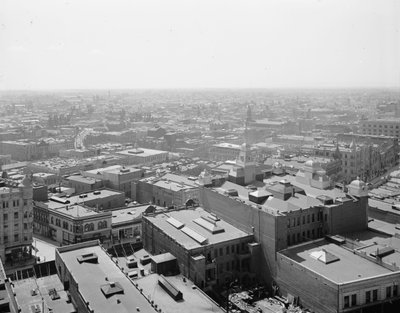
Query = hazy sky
x=53 y=44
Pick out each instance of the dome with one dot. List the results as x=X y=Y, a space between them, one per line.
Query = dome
x=277 y=165
x=309 y=163
x=357 y=183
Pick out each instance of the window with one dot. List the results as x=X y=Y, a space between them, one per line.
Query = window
x=288 y=240
x=298 y=221
x=5 y=217
x=15 y=215
x=215 y=253
x=25 y=226
x=227 y=250
x=308 y=218
x=375 y=295
x=313 y=218
x=221 y=252
x=232 y=249
x=227 y=266
x=294 y=238
x=16 y=226
x=353 y=300
x=65 y=225
x=51 y=220
x=388 y=292
x=288 y=222
x=25 y=201
x=368 y=297
x=346 y=302
x=5 y=239
x=102 y=224
x=16 y=237
x=304 y=219
x=395 y=289
x=298 y=237
x=326 y=217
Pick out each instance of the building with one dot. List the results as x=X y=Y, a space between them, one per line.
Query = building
x=126 y=224
x=84 y=184
x=142 y=156
x=20 y=150
x=117 y=177
x=362 y=156
x=167 y=190
x=71 y=223
x=77 y=218
x=385 y=127
x=4 y=159
x=347 y=278
x=46 y=179
x=224 y=151
x=96 y=283
x=288 y=211
x=8 y=304
x=16 y=220
x=210 y=252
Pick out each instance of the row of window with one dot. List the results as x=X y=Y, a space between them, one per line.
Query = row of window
x=310 y=219
x=304 y=236
x=16 y=216
x=15 y=203
x=16 y=238
x=87 y=227
x=16 y=226
x=380 y=126
x=370 y=296
x=230 y=250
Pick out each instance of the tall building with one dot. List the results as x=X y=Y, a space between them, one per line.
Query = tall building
x=15 y=220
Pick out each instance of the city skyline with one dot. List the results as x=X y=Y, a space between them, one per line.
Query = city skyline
x=199 y=45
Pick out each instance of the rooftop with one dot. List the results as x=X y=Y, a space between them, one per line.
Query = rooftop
x=186 y=228
x=141 y=152
x=194 y=300
x=41 y=286
x=128 y=214
x=92 y=276
x=348 y=266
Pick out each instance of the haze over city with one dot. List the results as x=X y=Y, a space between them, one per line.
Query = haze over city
x=199 y=156
x=199 y=44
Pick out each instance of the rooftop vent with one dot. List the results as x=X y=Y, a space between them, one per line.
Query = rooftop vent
x=324 y=256
x=170 y=288
x=211 y=226
x=382 y=252
x=59 y=200
x=174 y=222
x=111 y=288
x=194 y=235
x=124 y=170
x=88 y=258
x=97 y=192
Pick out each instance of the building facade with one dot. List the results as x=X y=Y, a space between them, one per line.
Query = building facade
x=15 y=220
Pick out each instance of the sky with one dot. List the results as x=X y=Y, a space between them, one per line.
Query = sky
x=119 y=44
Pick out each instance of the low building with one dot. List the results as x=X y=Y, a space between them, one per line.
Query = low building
x=143 y=156
x=224 y=151
x=167 y=190
x=127 y=224
x=71 y=223
x=364 y=279
x=84 y=184
x=95 y=283
x=209 y=251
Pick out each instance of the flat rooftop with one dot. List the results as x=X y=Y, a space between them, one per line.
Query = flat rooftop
x=227 y=145
x=92 y=276
x=141 y=152
x=93 y=195
x=83 y=179
x=77 y=211
x=127 y=215
x=193 y=299
x=26 y=300
x=188 y=217
x=349 y=267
